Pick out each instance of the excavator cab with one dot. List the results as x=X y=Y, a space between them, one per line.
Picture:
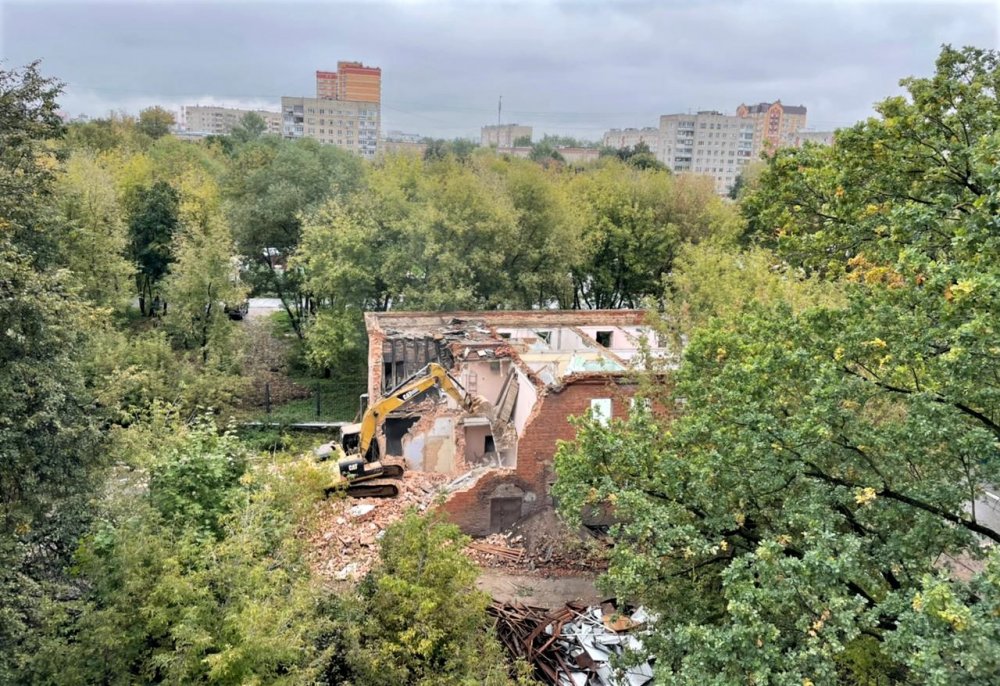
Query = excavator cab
x=357 y=477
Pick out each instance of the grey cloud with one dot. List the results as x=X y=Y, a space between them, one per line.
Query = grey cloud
x=572 y=67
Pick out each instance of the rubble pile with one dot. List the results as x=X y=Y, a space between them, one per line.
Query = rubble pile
x=343 y=546
x=495 y=549
x=541 y=543
x=575 y=645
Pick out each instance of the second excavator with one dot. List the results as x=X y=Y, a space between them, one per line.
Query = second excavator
x=361 y=473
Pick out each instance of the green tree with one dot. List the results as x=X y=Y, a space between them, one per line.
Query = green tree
x=152 y=224
x=117 y=131
x=926 y=154
x=48 y=430
x=632 y=222
x=545 y=151
x=438 y=149
x=522 y=141
x=436 y=235
x=424 y=620
x=802 y=518
x=95 y=240
x=155 y=122
x=640 y=157
x=251 y=127
x=271 y=185
x=545 y=247
x=714 y=279
x=205 y=276
x=195 y=578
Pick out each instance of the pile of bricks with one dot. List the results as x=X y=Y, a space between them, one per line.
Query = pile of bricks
x=343 y=545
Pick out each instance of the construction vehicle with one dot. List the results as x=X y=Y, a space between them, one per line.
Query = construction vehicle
x=358 y=452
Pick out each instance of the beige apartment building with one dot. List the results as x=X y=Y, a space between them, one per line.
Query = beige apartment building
x=346 y=112
x=352 y=125
x=629 y=138
x=774 y=124
x=207 y=120
x=709 y=143
x=503 y=136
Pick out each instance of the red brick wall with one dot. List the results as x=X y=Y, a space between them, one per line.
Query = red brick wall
x=535 y=451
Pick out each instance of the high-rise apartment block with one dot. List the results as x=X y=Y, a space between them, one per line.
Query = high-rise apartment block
x=352 y=81
x=207 y=120
x=709 y=143
x=346 y=111
x=629 y=138
x=503 y=135
x=352 y=125
x=775 y=124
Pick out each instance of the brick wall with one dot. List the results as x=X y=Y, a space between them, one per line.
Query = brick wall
x=470 y=509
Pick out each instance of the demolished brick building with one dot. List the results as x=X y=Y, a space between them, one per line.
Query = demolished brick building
x=534 y=369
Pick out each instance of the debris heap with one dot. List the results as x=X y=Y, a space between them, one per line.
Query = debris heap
x=575 y=645
x=344 y=544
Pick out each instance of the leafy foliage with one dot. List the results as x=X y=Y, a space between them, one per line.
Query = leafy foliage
x=424 y=622
x=151 y=228
x=155 y=122
x=803 y=517
x=196 y=580
x=270 y=184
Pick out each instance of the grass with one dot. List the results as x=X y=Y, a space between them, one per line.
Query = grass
x=338 y=395
x=338 y=401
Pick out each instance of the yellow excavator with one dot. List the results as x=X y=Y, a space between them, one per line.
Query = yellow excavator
x=357 y=454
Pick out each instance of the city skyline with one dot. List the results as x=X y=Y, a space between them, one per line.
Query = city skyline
x=570 y=69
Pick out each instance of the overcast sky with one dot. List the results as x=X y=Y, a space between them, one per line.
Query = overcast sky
x=574 y=68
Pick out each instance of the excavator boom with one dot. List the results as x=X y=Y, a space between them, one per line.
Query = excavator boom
x=360 y=471
x=359 y=438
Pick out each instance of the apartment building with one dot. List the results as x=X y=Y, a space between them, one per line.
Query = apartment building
x=774 y=124
x=352 y=125
x=709 y=143
x=346 y=111
x=629 y=138
x=503 y=136
x=352 y=81
x=207 y=120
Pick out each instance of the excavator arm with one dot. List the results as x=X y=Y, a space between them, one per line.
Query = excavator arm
x=360 y=439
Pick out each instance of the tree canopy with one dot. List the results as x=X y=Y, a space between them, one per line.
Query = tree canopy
x=812 y=513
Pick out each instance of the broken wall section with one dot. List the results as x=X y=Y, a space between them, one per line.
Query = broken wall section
x=494 y=499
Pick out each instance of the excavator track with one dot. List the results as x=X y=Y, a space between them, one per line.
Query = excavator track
x=375 y=483
x=368 y=489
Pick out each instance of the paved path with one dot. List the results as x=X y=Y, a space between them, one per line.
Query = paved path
x=261 y=307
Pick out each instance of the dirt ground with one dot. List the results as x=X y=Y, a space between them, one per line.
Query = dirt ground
x=540 y=591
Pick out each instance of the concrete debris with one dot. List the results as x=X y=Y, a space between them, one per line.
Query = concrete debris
x=343 y=545
x=360 y=510
x=349 y=571
x=575 y=645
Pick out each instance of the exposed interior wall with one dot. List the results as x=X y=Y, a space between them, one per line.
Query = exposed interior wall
x=480 y=448
x=483 y=377
x=430 y=445
x=395 y=428
x=527 y=396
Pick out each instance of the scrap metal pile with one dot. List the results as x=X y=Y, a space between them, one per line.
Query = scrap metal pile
x=575 y=645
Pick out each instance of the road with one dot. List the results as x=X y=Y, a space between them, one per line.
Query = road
x=988 y=508
x=261 y=307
